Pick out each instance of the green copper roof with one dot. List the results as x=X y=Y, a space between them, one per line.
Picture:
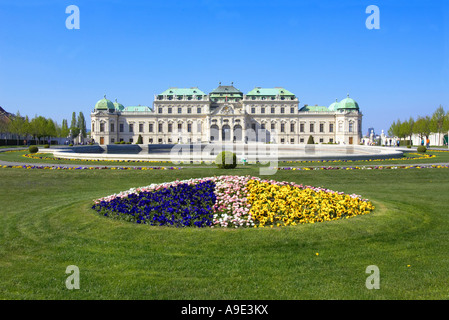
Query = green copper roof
x=348 y=103
x=137 y=109
x=182 y=92
x=258 y=91
x=314 y=108
x=118 y=106
x=334 y=106
x=104 y=104
x=226 y=90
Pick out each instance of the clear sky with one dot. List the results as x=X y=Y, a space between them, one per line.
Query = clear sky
x=132 y=50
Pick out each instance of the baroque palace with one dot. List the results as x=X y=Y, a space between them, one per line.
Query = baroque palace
x=188 y=115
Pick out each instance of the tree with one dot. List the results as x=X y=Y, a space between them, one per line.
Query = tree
x=438 y=122
x=17 y=126
x=404 y=129
x=26 y=128
x=392 y=129
x=395 y=129
x=64 y=131
x=4 y=124
x=422 y=127
x=408 y=130
x=74 y=130
x=38 y=128
x=81 y=125
x=50 y=129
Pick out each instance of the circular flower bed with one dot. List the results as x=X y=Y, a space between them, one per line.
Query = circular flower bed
x=230 y=201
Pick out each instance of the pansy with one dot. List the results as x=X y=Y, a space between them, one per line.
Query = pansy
x=230 y=202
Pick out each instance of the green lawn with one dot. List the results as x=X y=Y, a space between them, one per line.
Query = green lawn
x=46 y=225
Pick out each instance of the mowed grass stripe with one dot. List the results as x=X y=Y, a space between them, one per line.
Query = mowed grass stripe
x=51 y=226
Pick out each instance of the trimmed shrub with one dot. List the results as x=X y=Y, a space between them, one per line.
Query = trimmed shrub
x=226 y=160
x=33 y=149
x=139 y=140
x=421 y=149
x=71 y=145
x=310 y=141
x=46 y=146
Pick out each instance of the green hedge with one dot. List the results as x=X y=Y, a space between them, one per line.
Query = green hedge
x=421 y=149
x=33 y=149
x=226 y=160
x=310 y=141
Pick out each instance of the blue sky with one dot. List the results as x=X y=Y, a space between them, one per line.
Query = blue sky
x=131 y=50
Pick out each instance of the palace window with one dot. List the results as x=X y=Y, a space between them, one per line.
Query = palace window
x=150 y=127
x=262 y=110
x=321 y=140
x=262 y=126
x=199 y=127
x=301 y=140
x=121 y=127
x=140 y=127
x=272 y=110
x=179 y=127
x=159 y=110
x=170 y=127
x=292 y=127
x=282 y=127
x=189 y=110
x=112 y=127
x=150 y=140
x=179 y=110
x=292 y=110
x=301 y=127
x=101 y=127
x=321 y=127
x=282 y=110
x=169 y=110
x=198 y=110
x=312 y=128
x=93 y=127
x=159 y=129
x=253 y=110
x=273 y=126
x=292 y=140
x=331 y=127
x=189 y=127
x=351 y=126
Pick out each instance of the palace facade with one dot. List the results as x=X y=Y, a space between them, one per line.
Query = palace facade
x=189 y=115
